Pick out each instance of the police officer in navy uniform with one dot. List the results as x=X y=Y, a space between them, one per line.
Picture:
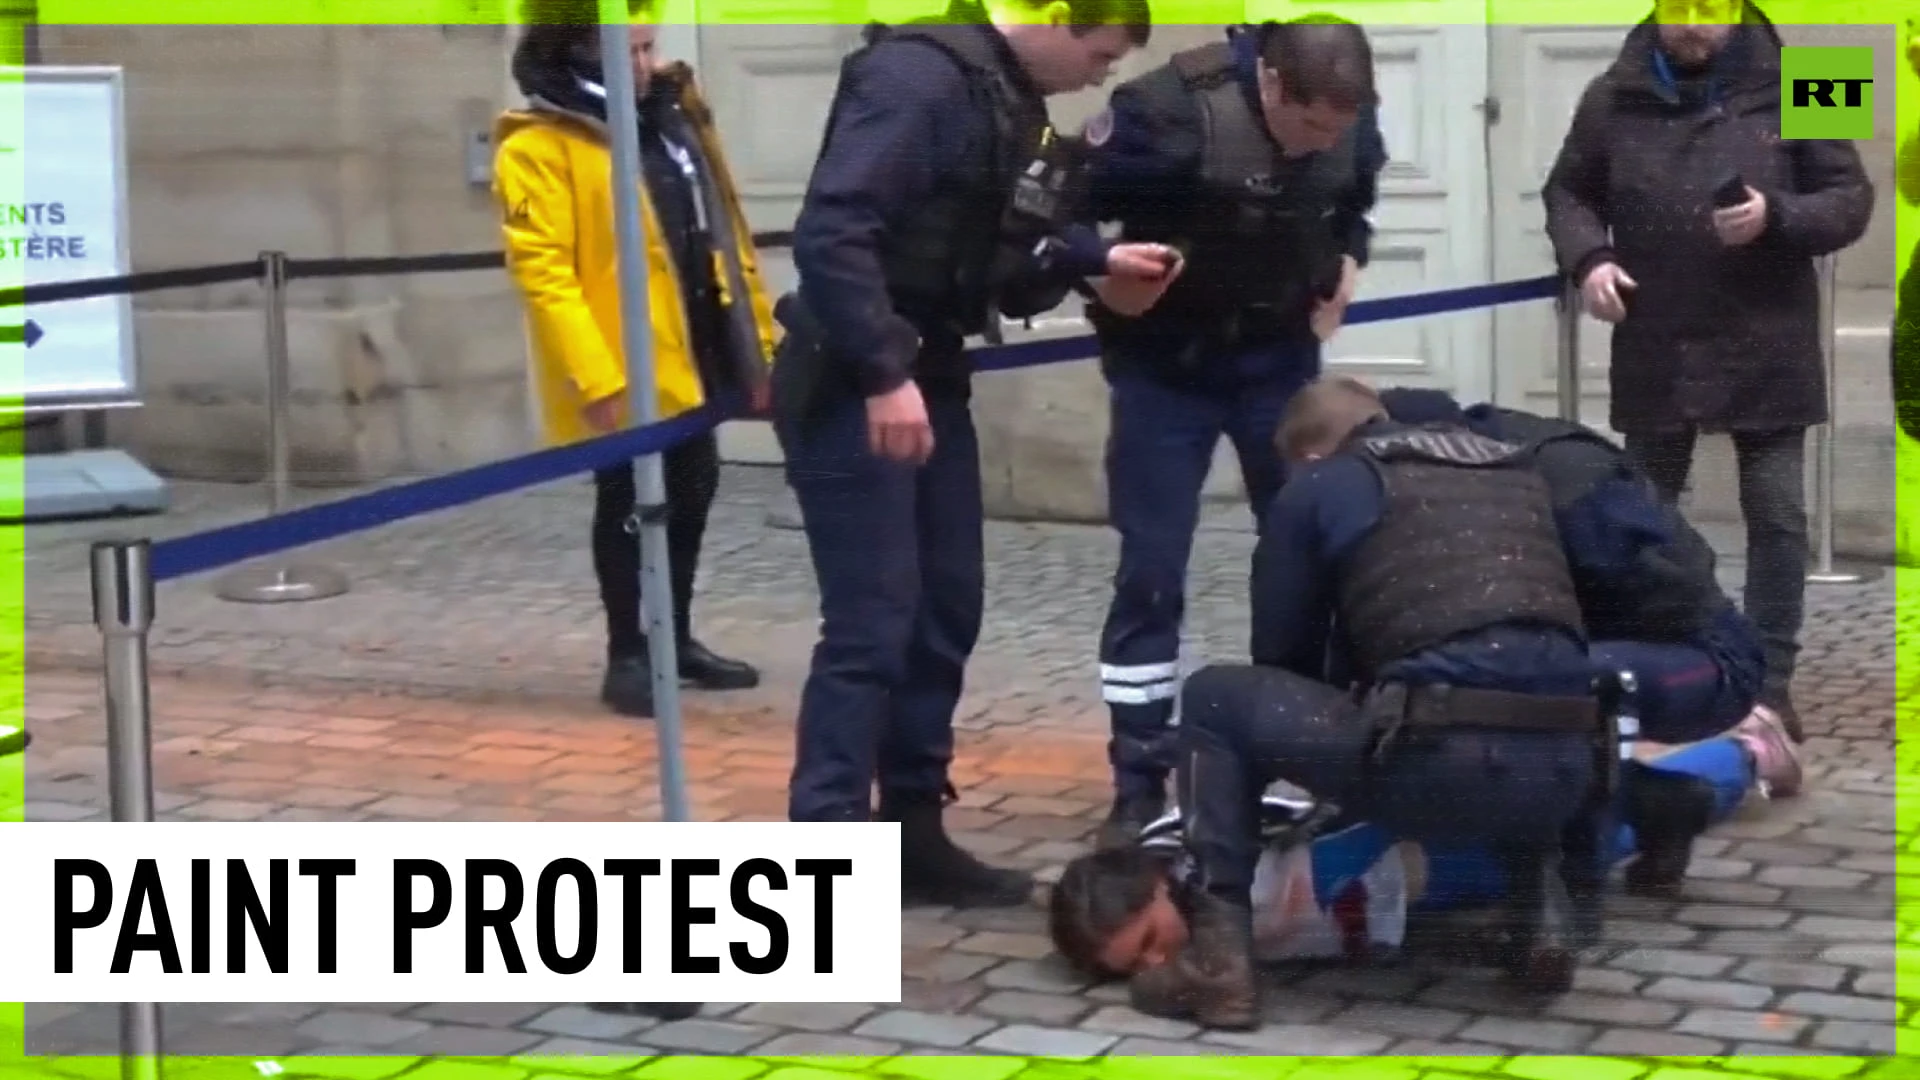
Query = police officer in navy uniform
x=940 y=202
x=1257 y=157
x=1461 y=710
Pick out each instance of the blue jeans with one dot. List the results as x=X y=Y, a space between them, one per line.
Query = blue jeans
x=897 y=552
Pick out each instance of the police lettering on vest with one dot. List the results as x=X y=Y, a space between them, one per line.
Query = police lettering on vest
x=1466 y=541
x=1260 y=236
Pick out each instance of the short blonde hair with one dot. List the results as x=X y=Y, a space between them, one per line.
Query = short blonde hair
x=1321 y=416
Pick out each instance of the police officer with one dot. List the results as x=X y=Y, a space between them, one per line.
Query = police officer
x=1428 y=559
x=1257 y=157
x=938 y=198
x=1653 y=607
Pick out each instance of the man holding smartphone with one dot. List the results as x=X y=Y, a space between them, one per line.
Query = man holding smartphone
x=1693 y=228
x=1257 y=159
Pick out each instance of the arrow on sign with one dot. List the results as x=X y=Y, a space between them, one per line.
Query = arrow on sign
x=28 y=335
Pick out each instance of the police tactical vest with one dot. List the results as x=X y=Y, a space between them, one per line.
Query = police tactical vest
x=1261 y=232
x=1673 y=593
x=1466 y=541
x=948 y=262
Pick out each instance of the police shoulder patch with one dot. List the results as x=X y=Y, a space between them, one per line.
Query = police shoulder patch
x=1098 y=129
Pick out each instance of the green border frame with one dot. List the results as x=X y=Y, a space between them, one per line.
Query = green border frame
x=1891 y=14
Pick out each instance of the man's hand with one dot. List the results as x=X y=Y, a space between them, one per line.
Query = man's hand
x=1137 y=277
x=1743 y=224
x=1603 y=292
x=1329 y=312
x=603 y=416
x=1144 y=262
x=897 y=427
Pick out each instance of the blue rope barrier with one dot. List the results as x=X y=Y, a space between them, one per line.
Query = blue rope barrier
x=224 y=546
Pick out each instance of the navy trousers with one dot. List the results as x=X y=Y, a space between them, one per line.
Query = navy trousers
x=897 y=552
x=1159 y=452
x=1242 y=727
x=1688 y=692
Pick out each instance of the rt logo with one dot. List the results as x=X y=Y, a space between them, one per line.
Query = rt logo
x=1826 y=92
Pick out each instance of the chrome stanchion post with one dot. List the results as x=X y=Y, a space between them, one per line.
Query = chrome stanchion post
x=656 y=589
x=1566 y=313
x=1826 y=463
x=284 y=582
x=123 y=611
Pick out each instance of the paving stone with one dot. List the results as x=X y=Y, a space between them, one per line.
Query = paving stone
x=1610 y=1010
x=584 y=1057
x=1138 y=1046
x=850 y=1048
x=1034 y=1041
x=1841 y=1007
x=1673 y=962
x=1640 y=1042
x=1741 y=1024
x=1705 y=992
x=478 y=1014
x=1549 y=1035
x=1307 y=1040
x=1121 y=1020
x=805 y=1016
x=459 y=1040
x=708 y=1036
x=1782 y=974
x=1856 y=1037
x=1413 y=1021
x=930 y=1029
x=358 y=1028
x=580 y=1022
x=1054 y=1010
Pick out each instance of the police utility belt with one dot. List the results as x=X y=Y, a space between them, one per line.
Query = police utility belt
x=1396 y=709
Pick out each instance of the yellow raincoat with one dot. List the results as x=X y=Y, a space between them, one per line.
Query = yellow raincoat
x=553 y=181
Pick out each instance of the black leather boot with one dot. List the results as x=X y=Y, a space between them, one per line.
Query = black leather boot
x=1583 y=868
x=709 y=670
x=934 y=871
x=1537 y=922
x=1128 y=815
x=1667 y=812
x=628 y=686
x=1211 y=982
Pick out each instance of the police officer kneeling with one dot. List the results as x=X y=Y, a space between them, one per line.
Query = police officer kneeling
x=937 y=206
x=1429 y=558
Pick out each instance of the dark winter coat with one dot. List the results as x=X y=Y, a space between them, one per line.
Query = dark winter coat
x=1715 y=338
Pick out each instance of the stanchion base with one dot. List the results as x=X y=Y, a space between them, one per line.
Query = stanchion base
x=1842 y=577
x=282 y=584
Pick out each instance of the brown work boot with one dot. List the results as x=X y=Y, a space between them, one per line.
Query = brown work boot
x=1211 y=982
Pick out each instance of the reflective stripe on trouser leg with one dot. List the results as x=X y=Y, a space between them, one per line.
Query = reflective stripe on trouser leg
x=1141 y=699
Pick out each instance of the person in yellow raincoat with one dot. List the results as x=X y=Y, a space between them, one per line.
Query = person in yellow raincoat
x=712 y=332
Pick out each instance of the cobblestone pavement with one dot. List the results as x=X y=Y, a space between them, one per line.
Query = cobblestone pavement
x=455 y=681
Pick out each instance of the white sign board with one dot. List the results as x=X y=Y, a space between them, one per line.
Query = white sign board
x=63 y=217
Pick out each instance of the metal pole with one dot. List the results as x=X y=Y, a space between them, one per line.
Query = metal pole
x=636 y=333
x=123 y=611
x=282 y=582
x=1566 y=312
x=1826 y=466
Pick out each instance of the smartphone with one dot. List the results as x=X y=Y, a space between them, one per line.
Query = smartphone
x=1731 y=192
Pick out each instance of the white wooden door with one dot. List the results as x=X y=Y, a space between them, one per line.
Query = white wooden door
x=1539 y=73
x=1431 y=220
